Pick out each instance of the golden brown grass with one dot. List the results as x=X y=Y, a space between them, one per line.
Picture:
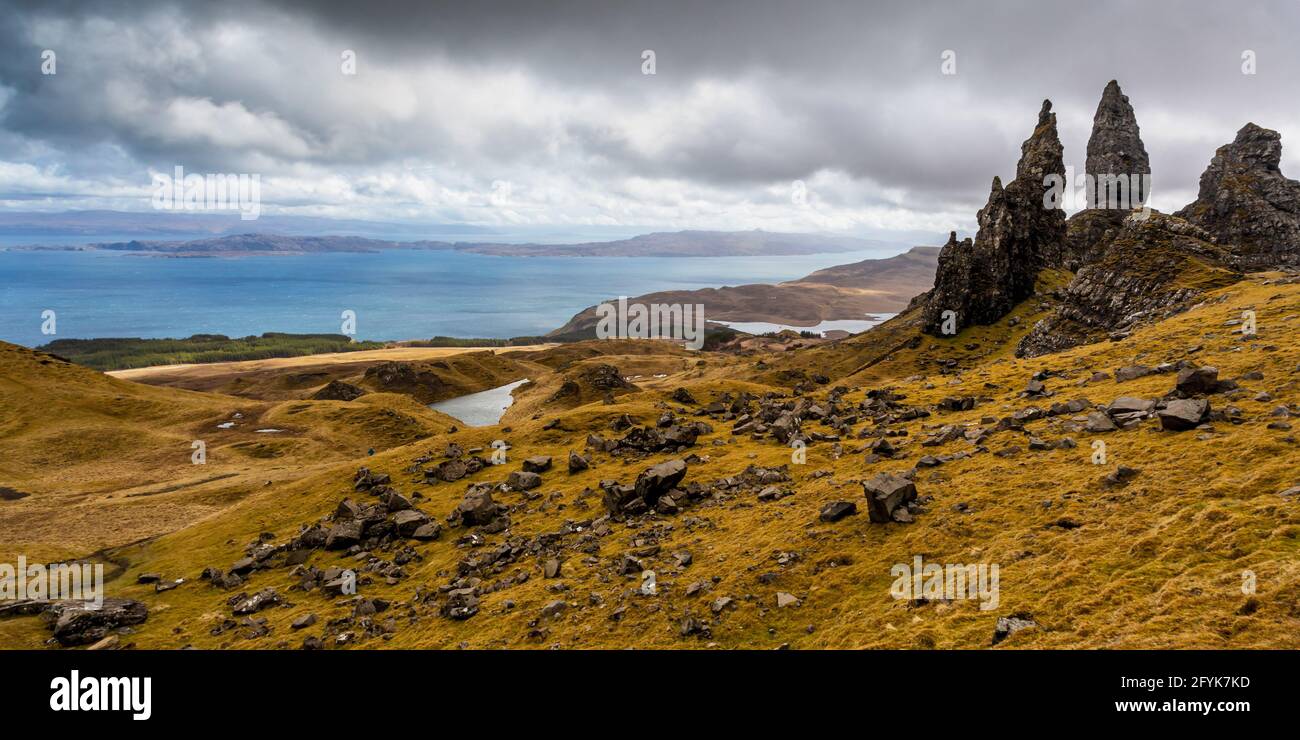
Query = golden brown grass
x=1158 y=563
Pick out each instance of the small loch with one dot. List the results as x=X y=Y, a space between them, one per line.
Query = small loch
x=481 y=409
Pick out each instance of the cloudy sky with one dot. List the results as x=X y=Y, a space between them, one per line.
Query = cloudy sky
x=538 y=114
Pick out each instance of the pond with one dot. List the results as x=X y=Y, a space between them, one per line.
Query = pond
x=481 y=409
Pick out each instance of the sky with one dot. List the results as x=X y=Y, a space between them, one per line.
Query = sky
x=812 y=116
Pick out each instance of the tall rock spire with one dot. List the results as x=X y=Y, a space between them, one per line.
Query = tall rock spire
x=1115 y=146
x=980 y=282
x=1116 y=159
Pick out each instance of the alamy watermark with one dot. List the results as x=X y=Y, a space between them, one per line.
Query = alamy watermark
x=77 y=693
x=52 y=582
x=949 y=581
x=1101 y=191
x=210 y=192
x=654 y=321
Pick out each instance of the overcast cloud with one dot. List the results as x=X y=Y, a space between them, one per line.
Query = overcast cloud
x=545 y=104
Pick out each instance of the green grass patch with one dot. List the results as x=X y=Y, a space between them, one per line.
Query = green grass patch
x=125 y=353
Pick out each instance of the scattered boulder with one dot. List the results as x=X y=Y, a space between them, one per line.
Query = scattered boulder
x=837 y=510
x=537 y=464
x=1099 y=423
x=343 y=534
x=886 y=494
x=1201 y=381
x=461 y=604
x=659 y=479
x=578 y=463
x=448 y=471
x=477 y=507
x=75 y=624
x=408 y=521
x=1132 y=372
x=1183 y=414
x=551 y=568
x=1008 y=626
x=522 y=480
x=1130 y=405
x=1120 y=476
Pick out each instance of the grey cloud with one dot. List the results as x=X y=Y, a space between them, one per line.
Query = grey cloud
x=855 y=85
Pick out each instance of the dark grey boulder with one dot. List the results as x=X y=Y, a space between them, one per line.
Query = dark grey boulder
x=885 y=494
x=537 y=464
x=343 y=535
x=1183 y=414
x=74 y=624
x=522 y=480
x=837 y=510
x=578 y=463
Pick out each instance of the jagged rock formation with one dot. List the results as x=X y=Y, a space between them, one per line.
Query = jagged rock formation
x=1153 y=268
x=983 y=280
x=1245 y=201
x=1246 y=217
x=1114 y=149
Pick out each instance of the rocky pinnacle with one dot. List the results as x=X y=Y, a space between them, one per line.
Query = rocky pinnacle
x=981 y=281
x=1115 y=146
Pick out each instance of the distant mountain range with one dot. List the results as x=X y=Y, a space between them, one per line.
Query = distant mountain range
x=663 y=244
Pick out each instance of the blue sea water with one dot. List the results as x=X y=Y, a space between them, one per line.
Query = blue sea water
x=396 y=294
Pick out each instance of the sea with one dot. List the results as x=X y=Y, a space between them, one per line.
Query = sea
x=393 y=294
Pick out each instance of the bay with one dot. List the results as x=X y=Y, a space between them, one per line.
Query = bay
x=396 y=294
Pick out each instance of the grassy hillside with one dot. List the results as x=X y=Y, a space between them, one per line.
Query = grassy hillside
x=1157 y=562
x=99 y=462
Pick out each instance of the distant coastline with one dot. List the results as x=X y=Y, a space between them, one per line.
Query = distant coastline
x=659 y=244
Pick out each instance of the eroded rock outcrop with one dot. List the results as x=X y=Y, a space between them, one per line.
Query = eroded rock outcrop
x=337 y=390
x=588 y=383
x=1247 y=203
x=983 y=280
x=1155 y=267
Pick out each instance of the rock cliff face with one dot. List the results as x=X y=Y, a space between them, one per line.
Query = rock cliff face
x=1246 y=202
x=1152 y=268
x=982 y=280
